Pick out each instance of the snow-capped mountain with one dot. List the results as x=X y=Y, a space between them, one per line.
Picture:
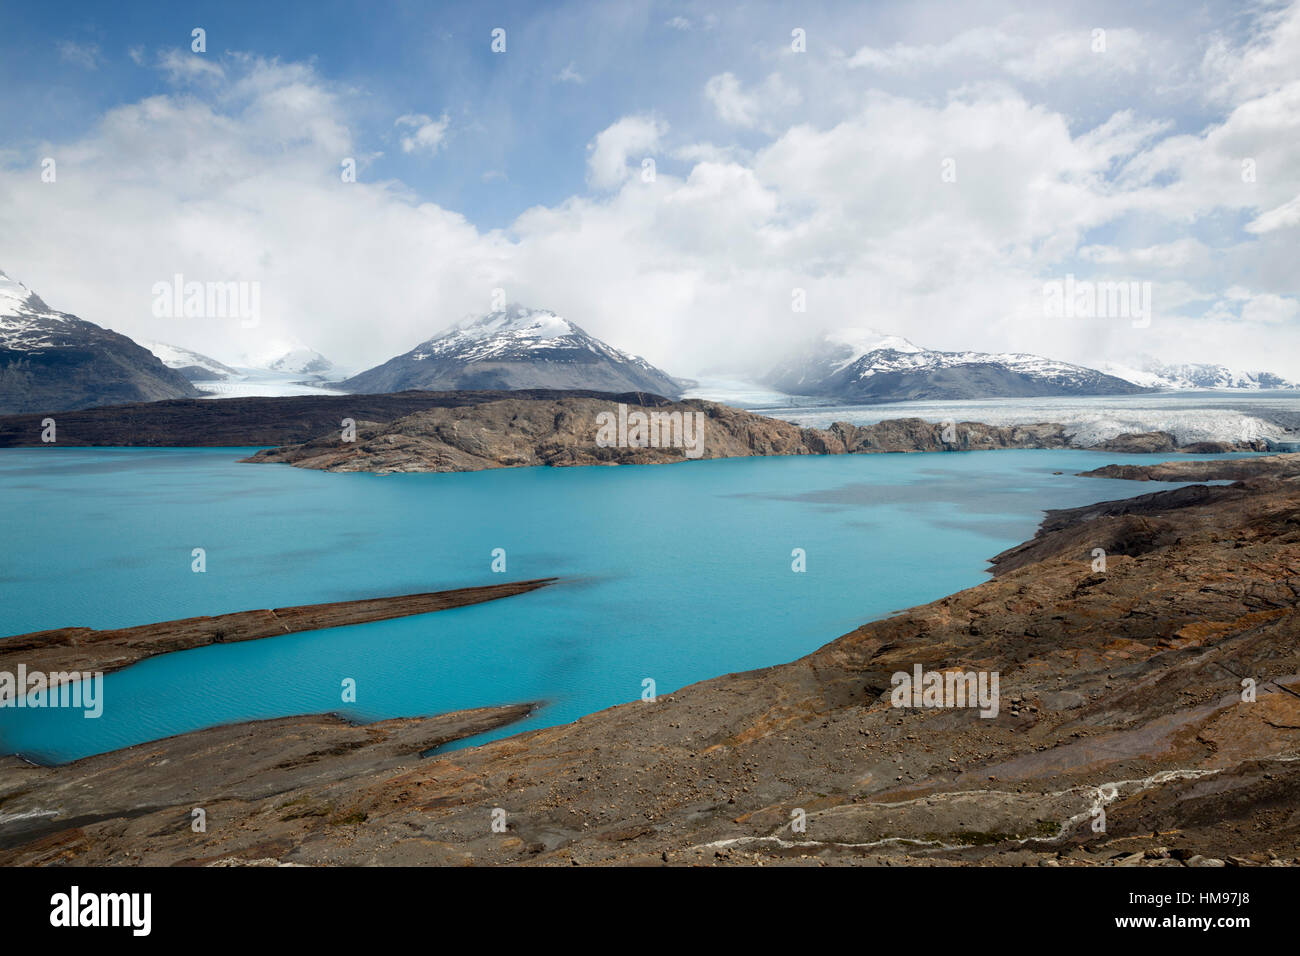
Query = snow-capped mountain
x=299 y=361
x=861 y=365
x=515 y=348
x=1155 y=374
x=193 y=365
x=52 y=361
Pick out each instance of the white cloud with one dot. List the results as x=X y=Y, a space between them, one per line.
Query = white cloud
x=1181 y=254
x=186 y=67
x=608 y=153
x=1269 y=60
x=1280 y=217
x=243 y=183
x=84 y=55
x=1076 y=54
x=570 y=74
x=738 y=107
x=235 y=176
x=428 y=135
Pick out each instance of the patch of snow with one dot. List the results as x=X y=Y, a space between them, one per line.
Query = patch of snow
x=296 y=361
x=514 y=332
x=26 y=322
x=173 y=356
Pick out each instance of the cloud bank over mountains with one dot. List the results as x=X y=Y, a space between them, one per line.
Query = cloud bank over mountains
x=927 y=188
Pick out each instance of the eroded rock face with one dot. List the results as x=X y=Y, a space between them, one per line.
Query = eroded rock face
x=1124 y=734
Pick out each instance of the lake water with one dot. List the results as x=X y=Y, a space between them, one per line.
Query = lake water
x=671 y=572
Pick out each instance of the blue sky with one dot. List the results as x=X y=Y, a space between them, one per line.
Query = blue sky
x=775 y=168
x=513 y=120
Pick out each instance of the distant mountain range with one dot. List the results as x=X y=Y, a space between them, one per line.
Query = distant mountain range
x=862 y=365
x=515 y=348
x=1155 y=374
x=302 y=364
x=53 y=361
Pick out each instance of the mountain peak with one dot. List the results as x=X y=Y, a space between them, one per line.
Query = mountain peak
x=515 y=330
x=55 y=361
x=863 y=365
x=518 y=323
x=16 y=299
x=864 y=341
x=515 y=347
x=300 y=361
x=544 y=322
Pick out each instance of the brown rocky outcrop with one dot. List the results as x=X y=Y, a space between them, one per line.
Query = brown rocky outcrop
x=520 y=432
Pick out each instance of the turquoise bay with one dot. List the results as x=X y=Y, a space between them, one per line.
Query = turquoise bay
x=676 y=573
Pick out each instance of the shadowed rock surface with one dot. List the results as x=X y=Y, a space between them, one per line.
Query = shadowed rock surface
x=1123 y=737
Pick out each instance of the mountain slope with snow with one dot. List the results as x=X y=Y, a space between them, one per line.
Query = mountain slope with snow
x=195 y=366
x=1156 y=374
x=52 y=361
x=854 y=365
x=300 y=361
x=515 y=348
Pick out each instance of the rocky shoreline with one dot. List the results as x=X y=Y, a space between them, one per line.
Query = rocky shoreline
x=518 y=432
x=472 y=430
x=1150 y=715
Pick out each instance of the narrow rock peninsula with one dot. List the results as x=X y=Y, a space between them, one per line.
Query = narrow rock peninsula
x=71 y=649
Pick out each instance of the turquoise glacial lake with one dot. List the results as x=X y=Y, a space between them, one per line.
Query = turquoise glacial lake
x=675 y=573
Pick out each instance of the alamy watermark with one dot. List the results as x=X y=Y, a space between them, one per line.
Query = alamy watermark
x=946 y=689
x=36 y=689
x=654 y=429
x=1084 y=299
x=74 y=908
x=208 y=300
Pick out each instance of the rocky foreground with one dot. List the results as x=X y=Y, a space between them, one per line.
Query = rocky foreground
x=1149 y=714
x=526 y=431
